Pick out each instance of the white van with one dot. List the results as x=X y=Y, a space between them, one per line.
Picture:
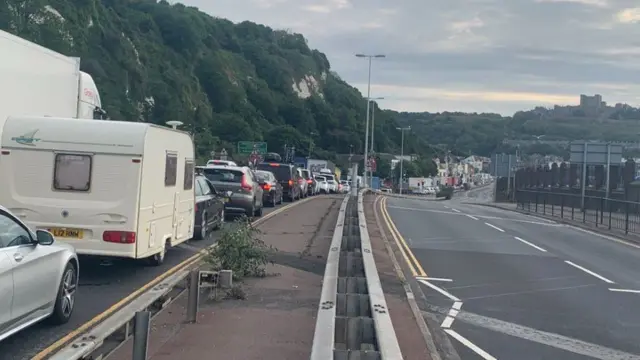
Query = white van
x=109 y=188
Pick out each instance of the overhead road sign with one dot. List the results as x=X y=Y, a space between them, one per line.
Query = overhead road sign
x=250 y=147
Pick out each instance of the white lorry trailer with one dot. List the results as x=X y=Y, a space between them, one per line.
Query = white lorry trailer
x=36 y=81
x=109 y=188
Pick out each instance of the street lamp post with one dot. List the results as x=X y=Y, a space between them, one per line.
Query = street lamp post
x=402 y=130
x=366 y=127
x=373 y=121
x=311 y=143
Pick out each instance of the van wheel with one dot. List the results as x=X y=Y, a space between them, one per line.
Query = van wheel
x=158 y=259
x=66 y=298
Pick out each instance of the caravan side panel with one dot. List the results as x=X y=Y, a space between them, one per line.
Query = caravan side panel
x=166 y=204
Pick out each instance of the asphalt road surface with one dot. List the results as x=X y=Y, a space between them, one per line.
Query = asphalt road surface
x=99 y=288
x=525 y=288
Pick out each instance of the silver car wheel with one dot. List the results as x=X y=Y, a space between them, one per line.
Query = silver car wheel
x=69 y=286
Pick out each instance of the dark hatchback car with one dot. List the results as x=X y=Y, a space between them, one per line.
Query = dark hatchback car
x=209 y=207
x=273 y=193
x=246 y=193
x=287 y=177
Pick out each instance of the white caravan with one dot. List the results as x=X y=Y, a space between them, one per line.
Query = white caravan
x=109 y=188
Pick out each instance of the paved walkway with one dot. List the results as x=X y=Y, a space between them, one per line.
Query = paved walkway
x=277 y=319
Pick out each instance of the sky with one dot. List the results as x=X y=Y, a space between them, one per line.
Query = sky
x=497 y=56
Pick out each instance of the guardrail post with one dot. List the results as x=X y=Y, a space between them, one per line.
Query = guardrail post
x=561 y=206
x=193 y=296
x=141 y=335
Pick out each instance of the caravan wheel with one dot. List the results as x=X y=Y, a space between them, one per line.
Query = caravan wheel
x=158 y=259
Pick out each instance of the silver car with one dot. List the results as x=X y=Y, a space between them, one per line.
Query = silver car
x=38 y=276
x=246 y=193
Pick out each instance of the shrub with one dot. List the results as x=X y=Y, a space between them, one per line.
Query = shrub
x=241 y=250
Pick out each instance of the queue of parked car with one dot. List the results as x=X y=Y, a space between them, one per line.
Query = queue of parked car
x=220 y=188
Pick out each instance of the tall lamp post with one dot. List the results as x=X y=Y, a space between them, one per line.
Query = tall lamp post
x=402 y=130
x=373 y=121
x=366 y=127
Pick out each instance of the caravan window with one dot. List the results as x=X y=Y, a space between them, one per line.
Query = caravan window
x=170 y=169
x=72 y=172
x=188 y=174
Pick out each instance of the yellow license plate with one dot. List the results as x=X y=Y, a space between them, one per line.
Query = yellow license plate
x=226 y=200
x=67 y=233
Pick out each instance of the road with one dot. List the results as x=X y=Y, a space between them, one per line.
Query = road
x=526 y=288
x=100 y=287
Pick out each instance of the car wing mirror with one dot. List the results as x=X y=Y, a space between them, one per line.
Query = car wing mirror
x=44 y=237
x=229 y=193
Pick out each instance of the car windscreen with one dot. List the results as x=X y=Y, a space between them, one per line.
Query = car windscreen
x=223 y=175
x=329 y=177
x=306 y=174
x=263 y=176
x=321 y=178
x=282 y=173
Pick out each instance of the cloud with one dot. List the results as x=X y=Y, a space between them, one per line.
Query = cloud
x=628 y=16
x=598 y=3
x=467 y=55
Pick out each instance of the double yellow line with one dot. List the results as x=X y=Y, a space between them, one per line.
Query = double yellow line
x=407 y=254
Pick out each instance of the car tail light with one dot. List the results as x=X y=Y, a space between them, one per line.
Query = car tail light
x=120 y=237
x=309 y=181
x=245 y=185
x=267 y=187
x=290 y=182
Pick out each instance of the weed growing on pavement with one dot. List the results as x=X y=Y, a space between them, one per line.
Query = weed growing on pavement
x=241 y=250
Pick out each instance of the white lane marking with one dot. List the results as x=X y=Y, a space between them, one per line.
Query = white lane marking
x=473 y=347
x=545 y=338
x=433 y=279
x=530 y=244
x=456 y=210
x=625 y=291
x=472 y=217
x=495 y=209
x=589 y=272
x=610 y=238
x=451 y=316
x=440 y=290
x=448 y=321
x=546 y=223
x=446 y=207
x=530 y=292
x=493 y=226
